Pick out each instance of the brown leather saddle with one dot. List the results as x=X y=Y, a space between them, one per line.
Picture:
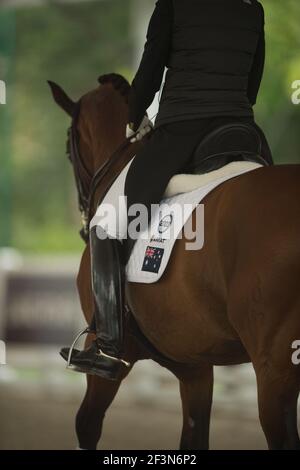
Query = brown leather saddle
x=226 y=144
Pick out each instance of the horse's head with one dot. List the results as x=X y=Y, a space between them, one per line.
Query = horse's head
x=100 y=117
x=98 y=129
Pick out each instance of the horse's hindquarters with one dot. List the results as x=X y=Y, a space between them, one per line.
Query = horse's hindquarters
x=249 y=259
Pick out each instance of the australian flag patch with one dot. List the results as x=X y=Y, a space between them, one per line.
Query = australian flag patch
x=152 y=260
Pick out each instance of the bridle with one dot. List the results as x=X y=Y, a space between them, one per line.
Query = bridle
x=86 y=182
x=79 y=168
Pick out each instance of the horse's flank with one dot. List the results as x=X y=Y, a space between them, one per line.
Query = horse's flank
x=212 y=304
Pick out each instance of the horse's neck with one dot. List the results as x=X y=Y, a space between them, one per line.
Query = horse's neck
x=121 y=159
x=106 y=143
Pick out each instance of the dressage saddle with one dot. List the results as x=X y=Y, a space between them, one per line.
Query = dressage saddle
x=226 y=144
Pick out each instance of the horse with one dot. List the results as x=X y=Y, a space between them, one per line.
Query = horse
x=235 y=301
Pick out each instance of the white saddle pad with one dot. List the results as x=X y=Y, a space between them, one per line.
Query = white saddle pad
x=153 y=249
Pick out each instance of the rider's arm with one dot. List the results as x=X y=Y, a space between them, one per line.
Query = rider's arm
x=257 y=69
x=148 y=78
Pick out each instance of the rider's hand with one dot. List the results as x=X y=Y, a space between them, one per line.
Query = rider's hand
x=145 y=127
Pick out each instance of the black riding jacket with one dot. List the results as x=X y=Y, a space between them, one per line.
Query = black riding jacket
x=214 y=51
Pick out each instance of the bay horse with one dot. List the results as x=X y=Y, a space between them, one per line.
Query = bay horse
x=236 y=300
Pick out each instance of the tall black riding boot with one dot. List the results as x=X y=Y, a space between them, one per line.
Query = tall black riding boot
x=104 y=356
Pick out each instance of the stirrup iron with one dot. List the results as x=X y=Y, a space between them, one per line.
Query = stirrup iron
x=83 y=332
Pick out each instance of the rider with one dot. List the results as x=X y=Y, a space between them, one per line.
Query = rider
x=215 y=53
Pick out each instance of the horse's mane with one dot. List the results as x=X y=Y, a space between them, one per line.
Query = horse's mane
x=118 y=81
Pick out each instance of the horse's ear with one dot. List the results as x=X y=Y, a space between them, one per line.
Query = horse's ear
x=61 y=98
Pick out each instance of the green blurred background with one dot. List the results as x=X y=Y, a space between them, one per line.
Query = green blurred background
x=72 y=44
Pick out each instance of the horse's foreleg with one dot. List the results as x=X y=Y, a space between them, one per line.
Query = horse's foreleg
x=100 y=392
x=196 y=395
x=99 y=396
x=89 y=419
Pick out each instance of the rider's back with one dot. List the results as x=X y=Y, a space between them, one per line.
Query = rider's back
x=212 y=55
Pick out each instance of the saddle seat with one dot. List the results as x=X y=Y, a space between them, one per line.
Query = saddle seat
x=227 y=150
x=226 y=144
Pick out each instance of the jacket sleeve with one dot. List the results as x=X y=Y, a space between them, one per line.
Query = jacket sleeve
x=257 y=69
x=148 y=78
